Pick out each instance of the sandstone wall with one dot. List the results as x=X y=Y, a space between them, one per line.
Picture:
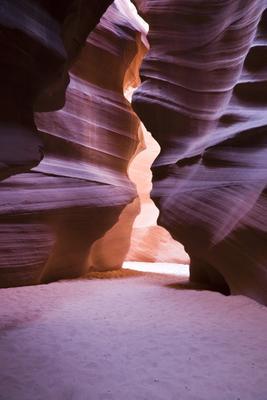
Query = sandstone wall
x=203 y=98
x=50 y=216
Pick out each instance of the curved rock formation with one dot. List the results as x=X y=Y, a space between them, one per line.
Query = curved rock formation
x=109 y=252
x=150 y=242
x=50 y=217
x=39 y=41
x=203 y=98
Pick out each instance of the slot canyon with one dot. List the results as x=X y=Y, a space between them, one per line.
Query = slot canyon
x=133 y=201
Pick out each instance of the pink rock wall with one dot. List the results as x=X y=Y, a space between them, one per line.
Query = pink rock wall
x=39 y=41
x=50 y=217
x=150 y=242
x=203 y=98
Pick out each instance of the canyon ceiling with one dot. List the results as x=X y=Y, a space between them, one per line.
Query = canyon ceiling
x=68 y=135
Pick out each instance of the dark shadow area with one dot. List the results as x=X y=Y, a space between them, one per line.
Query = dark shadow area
x=187 y=285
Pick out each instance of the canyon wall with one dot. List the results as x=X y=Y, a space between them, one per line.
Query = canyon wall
x=51 y=215
x=203 y=98
x=39 y=41
x=66 y=202
x=149 y=241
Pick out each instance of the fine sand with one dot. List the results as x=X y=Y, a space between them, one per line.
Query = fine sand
x=130 y=335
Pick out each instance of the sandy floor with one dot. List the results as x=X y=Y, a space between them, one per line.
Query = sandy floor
x=130 y=336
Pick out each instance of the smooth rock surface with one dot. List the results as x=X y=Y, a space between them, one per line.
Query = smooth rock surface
x=51 y=216
x=203 y=98
x=39 y=42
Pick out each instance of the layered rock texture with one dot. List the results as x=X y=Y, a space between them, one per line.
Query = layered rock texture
x=39 y=41
x=150 y=242
x=51 y=216
x=204 y=98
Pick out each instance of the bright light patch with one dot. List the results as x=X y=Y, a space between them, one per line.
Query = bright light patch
x=127 y=8
x=158 y=268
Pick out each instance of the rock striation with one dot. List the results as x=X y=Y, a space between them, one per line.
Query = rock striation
x=203 y=98
x=39 y=41
x=51 y=216
x=150 y=242
x=66 y=202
